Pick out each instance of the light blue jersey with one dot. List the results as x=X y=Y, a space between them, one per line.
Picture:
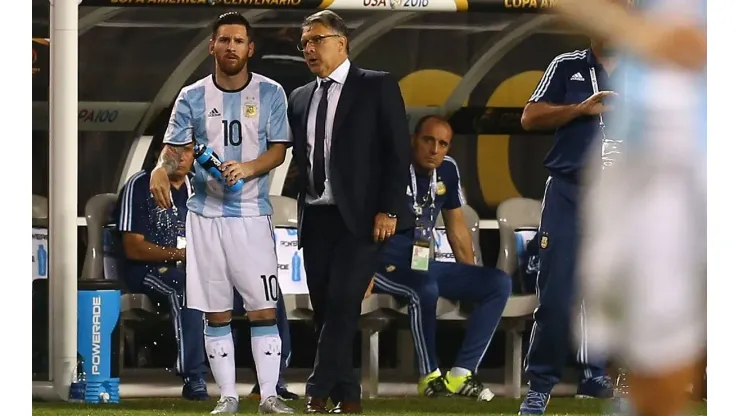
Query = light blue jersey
x=665 y=107
x=237 y=125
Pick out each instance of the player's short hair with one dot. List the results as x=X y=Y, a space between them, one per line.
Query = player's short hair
x=231 y=18
x=424 y=119
x=329 y=19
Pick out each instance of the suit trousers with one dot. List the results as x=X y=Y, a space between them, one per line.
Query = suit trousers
x=339 y=267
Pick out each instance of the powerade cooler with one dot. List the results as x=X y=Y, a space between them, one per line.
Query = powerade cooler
x=98 y=336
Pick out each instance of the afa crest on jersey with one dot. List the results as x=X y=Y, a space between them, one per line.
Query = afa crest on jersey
x=250 y=110
x=441 y=188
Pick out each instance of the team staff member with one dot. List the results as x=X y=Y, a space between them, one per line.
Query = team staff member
x=434 y=187
x=569 y=98
x=657 y=187
x=352 y=149
x=153 y=243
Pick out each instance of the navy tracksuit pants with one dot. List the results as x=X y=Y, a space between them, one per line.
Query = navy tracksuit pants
x=551 y=340
x=188 y=323
x=488 y=288
x=169 y=287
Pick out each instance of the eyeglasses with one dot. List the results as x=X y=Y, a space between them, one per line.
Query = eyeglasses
x=315 y=41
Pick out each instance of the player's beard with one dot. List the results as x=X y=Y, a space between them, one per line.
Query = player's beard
x=230 y=68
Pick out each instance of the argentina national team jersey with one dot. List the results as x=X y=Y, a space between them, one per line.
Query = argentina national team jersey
x=661 y=95
x=448 y=194
x=236 y=125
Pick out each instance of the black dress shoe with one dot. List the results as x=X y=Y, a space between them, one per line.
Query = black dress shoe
x=347 y=407
x=315 y=405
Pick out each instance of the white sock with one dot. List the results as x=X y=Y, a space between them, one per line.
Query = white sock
x=266 y=347
x=459 y=372
x=220 y=351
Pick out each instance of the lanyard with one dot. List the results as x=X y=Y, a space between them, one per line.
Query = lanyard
x=595 y=85
x=189 y=191
x=419 y=209
x=609 y=148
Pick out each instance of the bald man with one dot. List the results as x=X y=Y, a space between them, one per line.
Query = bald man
x=407 y=269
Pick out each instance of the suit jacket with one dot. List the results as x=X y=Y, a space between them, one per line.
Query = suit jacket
x=370 y=151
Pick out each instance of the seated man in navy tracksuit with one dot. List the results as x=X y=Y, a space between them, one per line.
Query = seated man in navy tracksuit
x=435 y=187
x=154 y=246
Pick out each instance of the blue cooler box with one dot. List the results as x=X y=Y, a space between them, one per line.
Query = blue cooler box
x=98 y=336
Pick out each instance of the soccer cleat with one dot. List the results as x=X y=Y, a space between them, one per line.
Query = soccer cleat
x=226 y=406
x=275 y=405
x=195 y=389
x=468 y=386
x=596 y=387
x=534 y=404
x=432 y=385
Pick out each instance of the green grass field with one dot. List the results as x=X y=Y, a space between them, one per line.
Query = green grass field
x=381 y=407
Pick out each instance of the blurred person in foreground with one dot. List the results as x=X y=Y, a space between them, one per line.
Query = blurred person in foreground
x=154 y=248
x=434 y=188
x=241 y=116
x=645 y=222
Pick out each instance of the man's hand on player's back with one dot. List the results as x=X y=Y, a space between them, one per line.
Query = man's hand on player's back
x=159 y=186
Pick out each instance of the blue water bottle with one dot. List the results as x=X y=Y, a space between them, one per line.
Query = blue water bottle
x=296 y=267
x=98 y=312
x=41 y=260
x=210 y=161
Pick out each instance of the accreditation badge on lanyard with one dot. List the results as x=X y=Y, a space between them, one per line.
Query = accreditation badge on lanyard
x=422 y=250
x=179 y=225
x=609 y=147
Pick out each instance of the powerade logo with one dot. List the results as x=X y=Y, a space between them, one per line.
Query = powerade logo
x=291 y=232
x=96 y=312
x=438 y=254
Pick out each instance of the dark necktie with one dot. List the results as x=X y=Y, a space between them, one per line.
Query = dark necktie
x=319 y=173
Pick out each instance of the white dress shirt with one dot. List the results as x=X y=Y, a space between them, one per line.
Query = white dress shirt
x=339 y=76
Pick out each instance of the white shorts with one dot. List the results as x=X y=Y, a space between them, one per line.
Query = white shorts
x=643 y=262
x=230 y=252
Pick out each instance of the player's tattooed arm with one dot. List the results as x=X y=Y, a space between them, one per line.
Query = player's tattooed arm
x=159 y=182
x=170 y=158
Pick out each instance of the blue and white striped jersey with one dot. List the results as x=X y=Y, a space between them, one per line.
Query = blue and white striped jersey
x=237 y=125
x=666 y=94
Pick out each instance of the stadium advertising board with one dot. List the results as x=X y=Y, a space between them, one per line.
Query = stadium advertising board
x=491 y=6
x=96 y=116
x=292 y=274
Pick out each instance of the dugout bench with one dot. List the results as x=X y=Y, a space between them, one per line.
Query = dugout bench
x=377 y=310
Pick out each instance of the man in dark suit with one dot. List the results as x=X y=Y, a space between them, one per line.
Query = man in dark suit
x=352 y=149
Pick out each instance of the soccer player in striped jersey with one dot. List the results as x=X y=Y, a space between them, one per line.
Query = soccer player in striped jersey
x=242 y=117
x=645 y=222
